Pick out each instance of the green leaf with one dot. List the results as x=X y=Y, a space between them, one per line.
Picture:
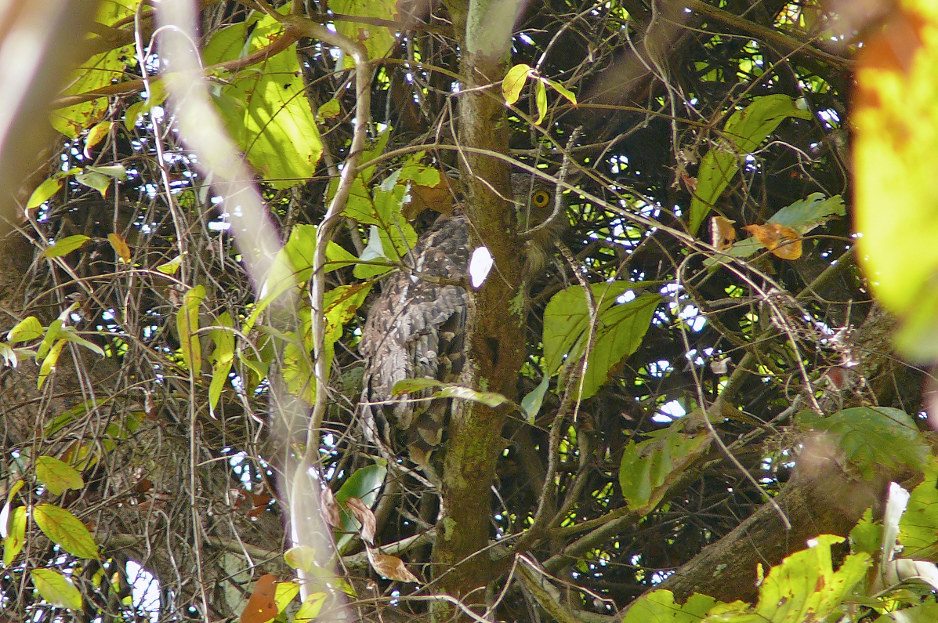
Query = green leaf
x=170 y=267
x=27 y=329
x=378 y=40
x=744 y=132
x=301 y=557
x=531 y=404
x=448 y=390
x=564 y=91
x=329 y=110
x=66 y=530
x=187 y=323
x=66 y=245
x=918 y=528
x=222 y=358
x=265 y=106
x=43 y=192
x=364 y=484
x=660 y=607
x=804 y=587
x=49 y=363
x=71 y=335
x=16 y=535
x=92 y=179
x=648 y=468
x=540 y=99
x=56 y=475
x=872 y=437
x=96 y=72
x=56 y=589
x=514 y=81
x=620 y=328
x=310 y=608
x=284 y=594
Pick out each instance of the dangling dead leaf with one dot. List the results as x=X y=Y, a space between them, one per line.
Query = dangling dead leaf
x=330 y=510
x=781 y=240
x=390 y=567
x=262 y=605
x=120 y=246
x=365 y=517
x=438 y=198
x=722 y=233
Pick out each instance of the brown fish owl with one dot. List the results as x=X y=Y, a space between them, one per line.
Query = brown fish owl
x=416 y=327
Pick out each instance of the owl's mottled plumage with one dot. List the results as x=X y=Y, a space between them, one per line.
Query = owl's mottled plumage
x=416 y=327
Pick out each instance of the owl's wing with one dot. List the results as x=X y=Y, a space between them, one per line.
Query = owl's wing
x=415 y=329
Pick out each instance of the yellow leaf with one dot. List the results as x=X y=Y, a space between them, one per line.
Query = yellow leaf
x=120 y=246
x=514 y=82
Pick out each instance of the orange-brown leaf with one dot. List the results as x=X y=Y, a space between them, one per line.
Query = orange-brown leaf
x=262 y=605
x=120 y=247
x=365 y=517
x=390 y=567
x=330 y=510
x=781 y=240
x=722 y=233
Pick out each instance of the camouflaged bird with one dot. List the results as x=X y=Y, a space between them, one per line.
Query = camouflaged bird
x=416 y=327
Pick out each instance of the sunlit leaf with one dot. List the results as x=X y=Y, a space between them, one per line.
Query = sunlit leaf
x=16 y=536
x=378 y=40
x=66 y=530
x=804 y=587
x=659 y=606
x=49 y=362
x=895 y=155
x=265 y=107
x=170 y=267
x=619 y=329
x=564 y=91
x=514 y=81
x=310 y=608
x=56 y=475
x=187 y=323
x=96 y=72
x=43 y=192
x=27 y=329
x=95 y=135
x=222 y=357
x=540 y=100
x=66 y=245
x=55 y=588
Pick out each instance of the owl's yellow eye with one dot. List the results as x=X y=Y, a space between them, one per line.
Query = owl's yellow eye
x=540 y=198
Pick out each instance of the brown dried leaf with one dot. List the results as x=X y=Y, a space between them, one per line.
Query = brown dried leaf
x=722 y=232
x=438 y=198
x=781 y=240
x=365 y=517
x=262 y=605
x=330 y=509
x=390 y=567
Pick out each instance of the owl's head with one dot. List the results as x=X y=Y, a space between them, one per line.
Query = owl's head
x=535 y=205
